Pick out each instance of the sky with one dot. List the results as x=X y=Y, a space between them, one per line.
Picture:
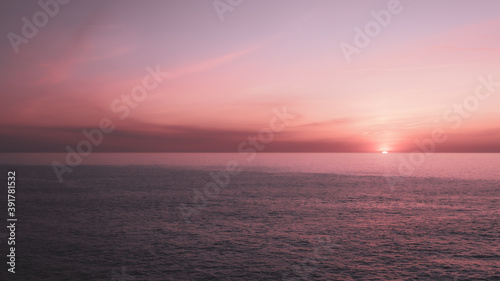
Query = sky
x=225 y=68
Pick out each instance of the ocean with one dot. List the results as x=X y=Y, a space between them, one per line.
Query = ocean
x=277 y=216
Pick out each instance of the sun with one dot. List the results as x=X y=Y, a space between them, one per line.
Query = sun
x=384 y=152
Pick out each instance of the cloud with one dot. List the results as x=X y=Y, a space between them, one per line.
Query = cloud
x=208 y=64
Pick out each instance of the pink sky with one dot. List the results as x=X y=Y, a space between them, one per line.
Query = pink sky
x=226 y=77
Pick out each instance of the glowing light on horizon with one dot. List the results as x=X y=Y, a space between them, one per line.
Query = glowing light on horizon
x=384 y=152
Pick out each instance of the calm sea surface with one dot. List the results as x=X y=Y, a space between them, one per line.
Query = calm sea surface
x=451 y=165
x=282 y=217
